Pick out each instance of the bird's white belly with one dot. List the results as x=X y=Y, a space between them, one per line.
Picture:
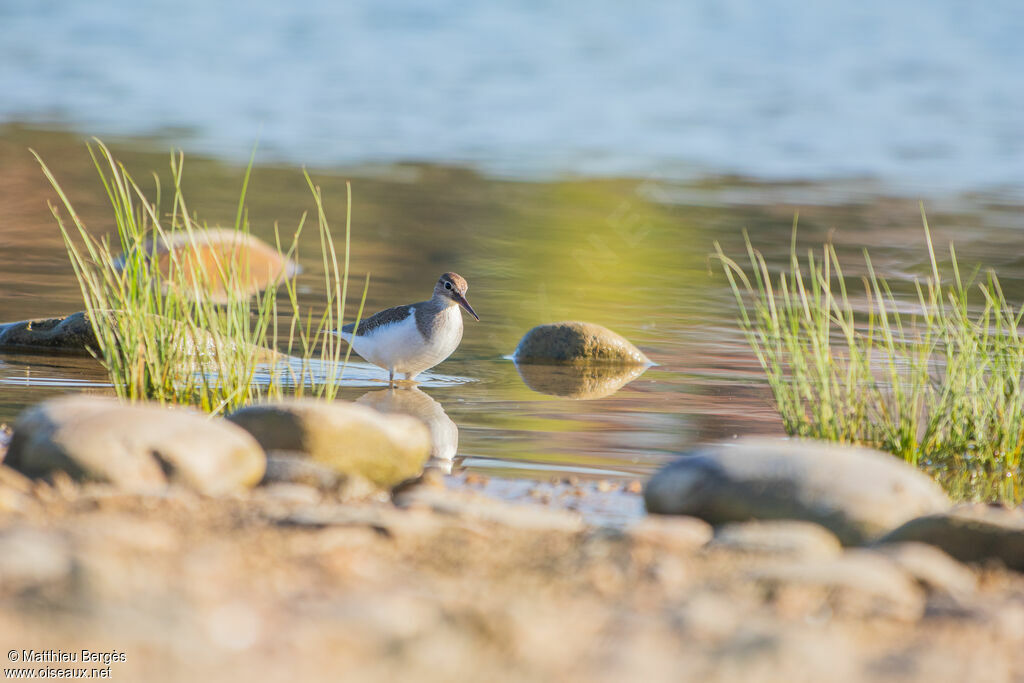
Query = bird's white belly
x=400 y=347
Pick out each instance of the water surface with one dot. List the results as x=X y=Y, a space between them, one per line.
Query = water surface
x=921 y=94
x=629 y=254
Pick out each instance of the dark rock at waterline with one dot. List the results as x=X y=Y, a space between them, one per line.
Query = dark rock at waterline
x=72 y=333
x=574 y=342
x=138 y=447
x=578 y=380
x=355 y=440
x=974 y=534
x=857 y=493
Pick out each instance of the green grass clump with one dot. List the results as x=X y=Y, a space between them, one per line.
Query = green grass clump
x=934 y=376
x=177 y=333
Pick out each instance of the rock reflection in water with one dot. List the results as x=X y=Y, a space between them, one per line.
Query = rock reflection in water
x=579 y=380
x=444 y=434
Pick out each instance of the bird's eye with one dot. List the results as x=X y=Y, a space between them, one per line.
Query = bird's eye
x=447 y=285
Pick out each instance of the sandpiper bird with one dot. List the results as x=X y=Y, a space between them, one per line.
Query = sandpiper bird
x=411 y=338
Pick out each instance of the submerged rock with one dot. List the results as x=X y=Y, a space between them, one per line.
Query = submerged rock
x=575 y=342
x=857 y=493
x=138 y=447
x=352 y=439
x=972 y=534
x=72 y=333
x=579 y=380
x=250 y=263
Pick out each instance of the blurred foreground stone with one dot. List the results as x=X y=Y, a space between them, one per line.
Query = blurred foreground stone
x=970 y=534
x=448 y=586
x=138 y=447
x=857 y=493
x=354 y=440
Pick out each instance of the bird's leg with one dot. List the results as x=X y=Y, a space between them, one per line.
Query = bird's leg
x=391 y=377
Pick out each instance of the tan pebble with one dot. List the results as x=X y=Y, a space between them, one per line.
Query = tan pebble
x=635 y=487
x=605 y=486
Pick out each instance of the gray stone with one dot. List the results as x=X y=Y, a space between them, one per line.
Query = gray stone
x=72 y=333
x=857 y=493
x=138 y=447
x=574 y=341
x=969 y=535
x=779 y=537
x=352 y=439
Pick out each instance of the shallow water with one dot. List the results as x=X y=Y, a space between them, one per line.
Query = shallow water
x=924 y=93
x=628 y=254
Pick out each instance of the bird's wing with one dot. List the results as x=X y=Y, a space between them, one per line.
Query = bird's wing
x=385 y=317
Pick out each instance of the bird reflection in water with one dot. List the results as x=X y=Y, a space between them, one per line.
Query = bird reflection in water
x=410 y=400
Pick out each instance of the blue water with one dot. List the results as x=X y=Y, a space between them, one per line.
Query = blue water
x=918 y=93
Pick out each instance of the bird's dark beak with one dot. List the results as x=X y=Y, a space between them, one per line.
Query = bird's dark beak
x=465 y=304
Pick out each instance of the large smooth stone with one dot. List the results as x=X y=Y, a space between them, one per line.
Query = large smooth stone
x=71 y=333
x=353 y=439
x=253 y=264
x=574 y=342
x=857 y=493
x=578 y=380
x=969 y=534
x=138 y=447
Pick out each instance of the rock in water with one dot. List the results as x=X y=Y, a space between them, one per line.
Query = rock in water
x=576 y=342
x=71 y=333
x=250 y=263
x=139 y=447
x=353 y=439
x=857 y=493
x=969 y=534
